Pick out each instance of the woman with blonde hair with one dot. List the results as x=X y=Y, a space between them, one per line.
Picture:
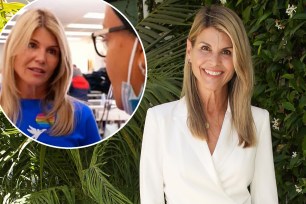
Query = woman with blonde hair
x=37 y=72
x=211 y=146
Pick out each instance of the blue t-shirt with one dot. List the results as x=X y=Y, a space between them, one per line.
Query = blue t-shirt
x=33 y=123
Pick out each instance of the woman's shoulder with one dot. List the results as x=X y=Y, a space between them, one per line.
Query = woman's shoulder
x=260 y=115
x=166 y=106
x=172 y=107
x=259 y=112
x=80 y=106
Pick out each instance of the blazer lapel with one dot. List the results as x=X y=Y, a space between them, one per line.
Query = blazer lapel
x=200 y=146
x=227 y=141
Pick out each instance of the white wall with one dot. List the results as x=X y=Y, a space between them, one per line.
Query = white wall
x=83 y=52
x=1 y=48
x=1 y=53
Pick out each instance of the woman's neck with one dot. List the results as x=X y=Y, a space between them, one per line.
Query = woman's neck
x=31 y=92
x=215 y=102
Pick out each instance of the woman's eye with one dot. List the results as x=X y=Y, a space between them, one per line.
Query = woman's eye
x=52 y=51
x=226 y=52
x=32 y=45
x=205 y=48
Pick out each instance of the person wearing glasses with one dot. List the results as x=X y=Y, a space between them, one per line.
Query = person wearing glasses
x=211 y=146
x=124 y=57
x=36 y=76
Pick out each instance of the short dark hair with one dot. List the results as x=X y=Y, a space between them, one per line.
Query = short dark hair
x=125 y=22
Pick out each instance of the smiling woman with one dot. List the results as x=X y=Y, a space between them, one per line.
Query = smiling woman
x=211 y=146
x=213 y=61
x=36 y=77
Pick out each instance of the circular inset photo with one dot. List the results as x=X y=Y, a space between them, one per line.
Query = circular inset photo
x=71 y=76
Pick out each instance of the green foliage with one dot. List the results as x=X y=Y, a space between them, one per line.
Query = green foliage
x=278 y=53
x=7 y=10
x=108 y=172
x=55 y=195
x=34 y=173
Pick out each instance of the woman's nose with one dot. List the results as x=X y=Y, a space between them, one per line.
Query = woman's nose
x=40 y=56
x=215 y=59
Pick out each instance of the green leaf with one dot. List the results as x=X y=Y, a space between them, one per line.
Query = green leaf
x=298 y=65
x=263 y=17
x=259 y=49
x=42 y=161
x=288 y=106
x=13 y=6
x=296 y=28
x=304 y=145
x=281 y=54
x=253 y=29
x=292 y=96
x=238 y=2
x=304 y=118
x=275 y=8
x=299 y=16
x=302 y=102
x=288 y=76
x=259 y=42
x=258 y=90
x=56 y=195
x=246 y=14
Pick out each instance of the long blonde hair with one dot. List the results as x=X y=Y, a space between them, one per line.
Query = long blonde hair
x=58 y=84
x=240 y=87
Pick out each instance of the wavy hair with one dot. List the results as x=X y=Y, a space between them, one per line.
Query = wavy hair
x=58 y=84
x=240 y=87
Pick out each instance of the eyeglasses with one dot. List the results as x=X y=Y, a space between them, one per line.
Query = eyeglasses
x=98 y=39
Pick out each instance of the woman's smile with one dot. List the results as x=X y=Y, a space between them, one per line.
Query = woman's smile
x=212 y=73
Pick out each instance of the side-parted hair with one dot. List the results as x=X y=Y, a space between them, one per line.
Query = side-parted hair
x=240 y=87
x=56 y=102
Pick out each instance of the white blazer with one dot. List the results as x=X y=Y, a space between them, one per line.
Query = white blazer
x=177 y=167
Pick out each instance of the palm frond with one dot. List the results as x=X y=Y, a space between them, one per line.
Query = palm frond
x=55 y=195
x=163 y=21
x=97 y=186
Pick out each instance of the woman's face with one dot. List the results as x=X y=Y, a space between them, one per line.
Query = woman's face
x=211 y=57
x=119 y=46
x=35 y=64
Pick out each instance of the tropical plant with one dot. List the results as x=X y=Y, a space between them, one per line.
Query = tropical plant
x=7 y=10
x=34 y=173
x=108 y=172
x=277 y=33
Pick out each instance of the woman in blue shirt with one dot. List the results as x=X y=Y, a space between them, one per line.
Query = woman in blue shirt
x=36 y=76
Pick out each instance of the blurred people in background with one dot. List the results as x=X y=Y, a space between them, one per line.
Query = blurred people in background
x=79 y=86
x=98 y=80
x=124 y=57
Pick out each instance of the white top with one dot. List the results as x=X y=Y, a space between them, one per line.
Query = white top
x=178 y=167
